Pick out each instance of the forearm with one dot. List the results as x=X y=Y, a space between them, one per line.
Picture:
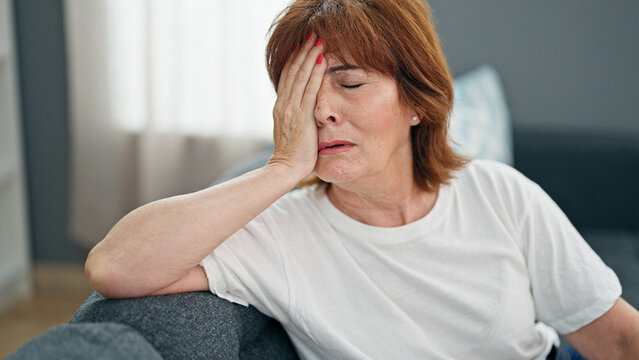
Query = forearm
x=159 y=243
x=614 y=335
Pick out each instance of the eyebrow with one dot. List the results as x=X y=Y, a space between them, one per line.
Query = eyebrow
x=343 y=68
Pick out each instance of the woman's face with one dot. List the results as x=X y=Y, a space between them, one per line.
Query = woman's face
x=363 y=130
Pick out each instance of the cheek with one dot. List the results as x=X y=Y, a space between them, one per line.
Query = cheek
x=381 y=121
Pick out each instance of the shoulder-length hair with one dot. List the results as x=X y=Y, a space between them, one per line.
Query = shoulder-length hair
x=396 y=38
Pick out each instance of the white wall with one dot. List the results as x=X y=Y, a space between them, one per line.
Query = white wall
x=14 y=242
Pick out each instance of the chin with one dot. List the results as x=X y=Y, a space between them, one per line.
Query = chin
x=335 y=171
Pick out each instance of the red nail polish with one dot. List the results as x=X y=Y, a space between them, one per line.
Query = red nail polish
x=319 y=59
x=310 y=33
x=318 y=42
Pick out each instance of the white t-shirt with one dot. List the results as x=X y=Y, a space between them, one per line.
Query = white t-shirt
x=477 y=278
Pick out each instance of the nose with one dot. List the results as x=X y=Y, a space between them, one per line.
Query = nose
x=324 y=111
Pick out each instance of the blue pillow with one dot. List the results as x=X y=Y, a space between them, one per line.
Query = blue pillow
x=480 y=124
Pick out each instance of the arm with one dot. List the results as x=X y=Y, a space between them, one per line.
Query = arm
x=614 y=335
x=156 y=248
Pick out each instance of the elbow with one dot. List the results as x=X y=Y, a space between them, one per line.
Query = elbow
x=113 y=278
x=103 y=275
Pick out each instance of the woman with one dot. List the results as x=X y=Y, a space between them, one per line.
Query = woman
x=399 y=248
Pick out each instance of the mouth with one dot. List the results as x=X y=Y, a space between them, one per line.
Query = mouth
x=334 y=147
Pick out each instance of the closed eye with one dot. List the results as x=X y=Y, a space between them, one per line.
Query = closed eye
x=351 y=86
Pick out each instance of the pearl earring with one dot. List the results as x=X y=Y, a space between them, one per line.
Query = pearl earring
x=414 y=119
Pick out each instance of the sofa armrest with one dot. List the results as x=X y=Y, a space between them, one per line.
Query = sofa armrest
x=196 y=325
x=103 y=341
x=593 y=177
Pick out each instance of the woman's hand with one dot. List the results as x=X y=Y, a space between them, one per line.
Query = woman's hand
x=295 y=130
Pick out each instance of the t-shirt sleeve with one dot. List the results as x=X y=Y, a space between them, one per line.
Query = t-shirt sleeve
x=249 y=269
x=571 y=285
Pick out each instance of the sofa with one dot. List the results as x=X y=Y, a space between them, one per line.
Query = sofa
x=594 y=178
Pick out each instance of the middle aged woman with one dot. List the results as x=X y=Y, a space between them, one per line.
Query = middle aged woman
x=400 y=249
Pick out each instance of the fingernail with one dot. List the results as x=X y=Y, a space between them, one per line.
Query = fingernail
x=319 y=59
x=310 y=33
x=318 y=42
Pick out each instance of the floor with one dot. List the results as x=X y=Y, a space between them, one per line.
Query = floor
x=59 y=289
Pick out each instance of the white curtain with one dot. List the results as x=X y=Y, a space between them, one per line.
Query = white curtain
x=164 y=95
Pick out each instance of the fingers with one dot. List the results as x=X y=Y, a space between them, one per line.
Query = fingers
x=309 y=98
x=284 y=75
x=303 y=75
x=298 y=67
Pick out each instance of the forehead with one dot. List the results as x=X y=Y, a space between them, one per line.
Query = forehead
x=346 y=65
x=334 y=59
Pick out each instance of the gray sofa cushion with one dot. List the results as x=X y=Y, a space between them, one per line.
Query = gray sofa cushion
x=88 y=341
x=593 y=177
x=195 y=325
